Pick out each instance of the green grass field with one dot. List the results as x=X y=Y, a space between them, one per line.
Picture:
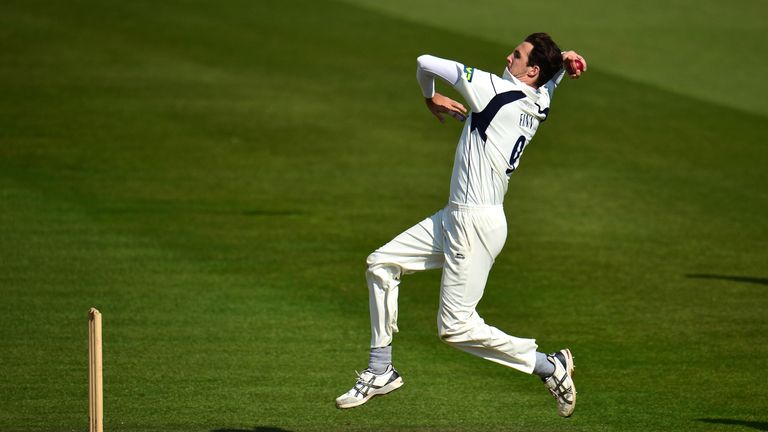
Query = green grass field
x=212 y=177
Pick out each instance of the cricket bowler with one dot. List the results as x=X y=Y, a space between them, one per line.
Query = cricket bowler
x=466 y=235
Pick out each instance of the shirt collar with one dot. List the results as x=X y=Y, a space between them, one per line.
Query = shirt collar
x=528 y=90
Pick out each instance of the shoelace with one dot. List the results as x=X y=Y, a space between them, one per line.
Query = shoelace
x=360 y=375
x=362 y=386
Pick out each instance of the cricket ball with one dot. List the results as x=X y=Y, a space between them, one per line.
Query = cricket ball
x=575 y=65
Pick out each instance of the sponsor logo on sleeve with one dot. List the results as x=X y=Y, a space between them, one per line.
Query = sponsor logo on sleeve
x=469 y=72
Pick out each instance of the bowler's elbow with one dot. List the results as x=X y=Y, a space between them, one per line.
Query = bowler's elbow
x=423 y=60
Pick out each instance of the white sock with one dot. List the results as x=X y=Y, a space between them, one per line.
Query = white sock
x=379 y=359
x=543 y=368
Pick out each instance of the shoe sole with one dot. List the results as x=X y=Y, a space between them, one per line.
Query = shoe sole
x=394 y=385
x=570 y=367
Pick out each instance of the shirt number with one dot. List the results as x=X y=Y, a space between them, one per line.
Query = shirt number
x=517 y=150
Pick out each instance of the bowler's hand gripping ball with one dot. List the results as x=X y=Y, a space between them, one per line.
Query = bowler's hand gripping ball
x=575 y=66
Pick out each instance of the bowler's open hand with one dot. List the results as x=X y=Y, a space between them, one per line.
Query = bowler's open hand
x=440 y=104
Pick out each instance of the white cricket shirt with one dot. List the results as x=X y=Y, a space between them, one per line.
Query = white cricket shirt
x=505 y=115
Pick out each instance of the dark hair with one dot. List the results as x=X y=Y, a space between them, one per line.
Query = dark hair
x=546 y=55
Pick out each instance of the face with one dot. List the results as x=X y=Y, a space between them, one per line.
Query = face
x=517 y=62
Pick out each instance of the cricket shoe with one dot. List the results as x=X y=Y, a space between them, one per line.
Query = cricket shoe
x=369 y=385
x=560 y=384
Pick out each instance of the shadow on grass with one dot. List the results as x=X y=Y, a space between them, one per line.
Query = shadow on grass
x=256 y=429
x=745 y=279
x=761 y=426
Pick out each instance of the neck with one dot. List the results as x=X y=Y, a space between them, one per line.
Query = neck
x=528 y=80
x=523 y=78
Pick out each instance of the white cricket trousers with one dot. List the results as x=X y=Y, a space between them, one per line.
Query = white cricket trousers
x=464 y=241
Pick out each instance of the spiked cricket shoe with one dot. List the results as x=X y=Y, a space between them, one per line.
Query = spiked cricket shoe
x=369 y=385
x=560 y=384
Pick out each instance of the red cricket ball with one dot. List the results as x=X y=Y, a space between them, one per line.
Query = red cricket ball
x=575 y=65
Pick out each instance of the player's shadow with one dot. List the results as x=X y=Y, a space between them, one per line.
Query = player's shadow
x=757 y=425
x=744 y=279
x=256 y=429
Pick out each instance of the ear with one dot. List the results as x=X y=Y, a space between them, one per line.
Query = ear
x=533 y=71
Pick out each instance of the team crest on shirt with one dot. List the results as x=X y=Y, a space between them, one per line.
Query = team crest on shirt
x=469 y=72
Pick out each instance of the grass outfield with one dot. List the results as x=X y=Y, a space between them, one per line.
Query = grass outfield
x=212 y=178
x=679 y=46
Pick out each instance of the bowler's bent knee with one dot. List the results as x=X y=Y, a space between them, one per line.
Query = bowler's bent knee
x=381 y=269
x=454 y=332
